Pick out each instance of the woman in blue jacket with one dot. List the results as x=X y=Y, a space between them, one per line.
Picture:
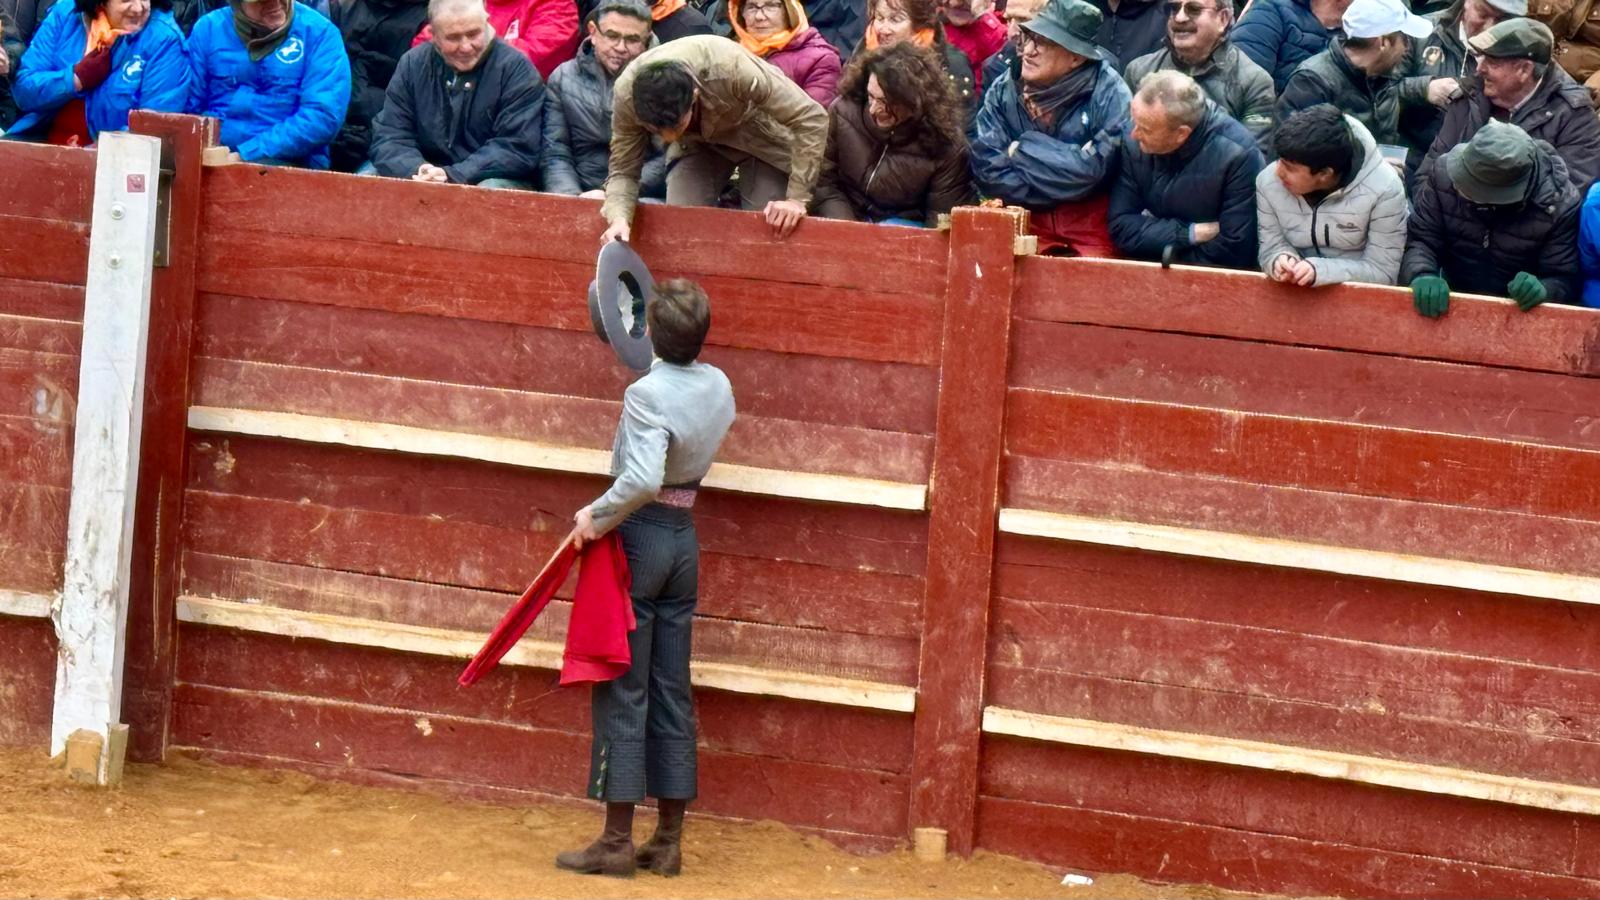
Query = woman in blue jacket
x=94 y=61
x=282 y=97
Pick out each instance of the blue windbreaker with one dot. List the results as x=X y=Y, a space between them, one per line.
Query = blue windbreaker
x=149 y=70
x=286 y=107
x=1589 y=246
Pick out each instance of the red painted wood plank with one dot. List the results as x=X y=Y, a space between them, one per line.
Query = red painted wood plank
x=43 y=250
x=402 y=742
x=153 y=571
x=962 y=498
x=696 y=242
x=41 y=299
x=1353 y=317
x=756 y=314
x=1115 y=491
x=546 y=418
x=1404 y=682
x=738 y=723
x=27 y=692
x=760 y=591
x=1307 y=382
x=33 y=536
x=1298 y=806
x=1163 y=850
x=857 y=393
x=24 y=373
x=1356 y=459
x=35 y=452
x=27 y=333
x=505 y=498
x=1492 y=626
x=46 y=182
x=1356 y=727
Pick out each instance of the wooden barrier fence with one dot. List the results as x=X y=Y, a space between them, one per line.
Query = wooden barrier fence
x=1173 y=572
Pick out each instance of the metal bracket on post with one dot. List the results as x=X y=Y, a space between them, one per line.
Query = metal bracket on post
x=91 y=621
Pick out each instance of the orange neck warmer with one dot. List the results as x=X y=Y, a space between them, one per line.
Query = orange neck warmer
x=663 y=8
x=772 y=42
x=101 y=34
x=923 y=38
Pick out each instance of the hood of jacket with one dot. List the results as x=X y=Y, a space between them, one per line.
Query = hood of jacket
x=799 y=24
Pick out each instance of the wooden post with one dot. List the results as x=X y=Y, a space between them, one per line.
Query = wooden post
x=963 y=501
x=155 y=574
x=105 y=460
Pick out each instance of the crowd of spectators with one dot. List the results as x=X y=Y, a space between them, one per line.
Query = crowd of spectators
x=1444 y=148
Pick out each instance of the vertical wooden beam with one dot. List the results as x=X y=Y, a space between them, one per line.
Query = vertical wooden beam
x=155 y=576
x=105 y=460
x=963 y=500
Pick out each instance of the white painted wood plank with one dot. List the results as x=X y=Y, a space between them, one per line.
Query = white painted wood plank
x=533 y=455
x=1300 y=555
x=1299 y=760
x=105 y=458
x=254 y=616
x=25 y=605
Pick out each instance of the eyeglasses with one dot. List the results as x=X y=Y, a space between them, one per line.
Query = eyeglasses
x=627 y=40
x=1028 y=43
x=1190 y=8
x=763 y=8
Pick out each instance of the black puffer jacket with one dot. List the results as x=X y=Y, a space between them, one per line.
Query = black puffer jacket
x=577 y=131
x=1479 y=249
x=1329 y=77
x=872 y=175
x=1559 y=113
x=1134 y=28
x=188 y=12
x=487 y=123
x=376 y=34
x=1211 y=178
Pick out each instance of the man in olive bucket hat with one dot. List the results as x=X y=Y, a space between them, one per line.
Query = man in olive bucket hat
x=1049 y=133
x=1497 y=216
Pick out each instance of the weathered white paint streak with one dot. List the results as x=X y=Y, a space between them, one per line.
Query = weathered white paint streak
x=92 y=617
x=29 y=606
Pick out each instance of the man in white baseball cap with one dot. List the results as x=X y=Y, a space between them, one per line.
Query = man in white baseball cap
x=1361 y=72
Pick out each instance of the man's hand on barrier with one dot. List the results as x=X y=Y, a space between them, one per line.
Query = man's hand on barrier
x=1431 y=295
x=596 y=194
x=619 y=230
x=431 y=173
x=1527 y=290
x=784 y=215
x=583 y=530
x=1205 y=231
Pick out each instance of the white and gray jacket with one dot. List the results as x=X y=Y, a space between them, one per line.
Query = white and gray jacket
x=1357 y=233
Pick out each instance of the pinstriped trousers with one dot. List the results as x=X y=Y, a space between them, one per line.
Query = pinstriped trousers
x=644 y=727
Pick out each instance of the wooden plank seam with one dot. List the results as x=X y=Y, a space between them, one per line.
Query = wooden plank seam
x=1265 y=551
x=846 y=489
x=244 y=615
x=1410 y=776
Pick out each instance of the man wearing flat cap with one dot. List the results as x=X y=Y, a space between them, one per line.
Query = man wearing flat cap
x=1442 y=66
x=1049 y=133
x=1520 y=86
x=1497 y=215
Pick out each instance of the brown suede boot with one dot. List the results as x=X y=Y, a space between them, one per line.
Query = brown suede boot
x=612 y=854
x=662 y=854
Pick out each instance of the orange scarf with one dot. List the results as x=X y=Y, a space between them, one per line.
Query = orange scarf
x=923 y=38
x=772 y=42
x=665 y=8
x=102 y=35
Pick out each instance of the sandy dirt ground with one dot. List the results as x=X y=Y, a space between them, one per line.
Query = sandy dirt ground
x=195 y=830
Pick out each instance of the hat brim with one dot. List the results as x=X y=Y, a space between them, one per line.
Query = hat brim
x=1055 y=34
x=1470 y=187
x=1416 y=26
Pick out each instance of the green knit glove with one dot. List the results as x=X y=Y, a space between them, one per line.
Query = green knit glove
x=1527 y=290
x=1431 y=295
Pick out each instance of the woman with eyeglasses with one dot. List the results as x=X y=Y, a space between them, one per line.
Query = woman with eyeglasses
x=897 y=152
x=917 y=21
x=777 y=31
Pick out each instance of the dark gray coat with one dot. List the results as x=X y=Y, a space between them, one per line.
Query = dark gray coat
x=1232 y=80
x=1559 y=113
x=482 y=124
x=1479 y=249
x=1329 y=77
x=577 y=131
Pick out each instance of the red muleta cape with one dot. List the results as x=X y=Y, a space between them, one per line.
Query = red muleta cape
x=602 y=615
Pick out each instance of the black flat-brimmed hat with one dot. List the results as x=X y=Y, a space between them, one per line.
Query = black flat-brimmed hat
x=1071 y=24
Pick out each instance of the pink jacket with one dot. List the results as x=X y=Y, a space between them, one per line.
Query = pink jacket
x=811 y=62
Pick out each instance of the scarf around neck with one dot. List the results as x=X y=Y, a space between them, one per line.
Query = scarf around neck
x=101 y=34
x=923 y=38
x=259 y=40
x=772 y=42
x=1045 y=102
x=664 y=8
